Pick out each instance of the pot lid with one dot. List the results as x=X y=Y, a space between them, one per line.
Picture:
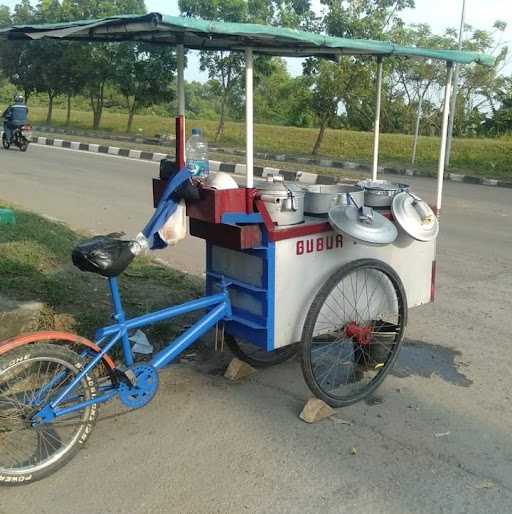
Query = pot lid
x=415 y=217
x=381 y=185
x=363 y=224
x=276 y=184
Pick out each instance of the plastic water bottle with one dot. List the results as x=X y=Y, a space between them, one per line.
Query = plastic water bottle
x=197 y=154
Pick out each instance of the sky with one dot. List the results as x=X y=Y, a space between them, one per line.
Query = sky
x=439 y=14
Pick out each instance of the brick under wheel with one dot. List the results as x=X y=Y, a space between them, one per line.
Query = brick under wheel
x=29 y=377
x=353 y=332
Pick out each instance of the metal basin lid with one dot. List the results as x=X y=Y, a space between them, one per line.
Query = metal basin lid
x=279 y=186
x=348 y=220
x=332 y=189
x=415 y=217
x=381 y=185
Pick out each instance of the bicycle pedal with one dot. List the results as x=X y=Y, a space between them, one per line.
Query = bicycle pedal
x=125 y=377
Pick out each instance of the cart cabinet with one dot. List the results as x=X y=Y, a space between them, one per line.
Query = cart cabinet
x=274 y=284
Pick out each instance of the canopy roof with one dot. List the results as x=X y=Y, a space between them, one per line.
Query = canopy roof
x=210 y=35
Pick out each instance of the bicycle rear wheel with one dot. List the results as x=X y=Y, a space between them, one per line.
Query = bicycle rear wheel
x=353 y=332
x=29 y=377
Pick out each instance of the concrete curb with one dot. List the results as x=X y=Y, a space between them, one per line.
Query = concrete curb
x=259 y=171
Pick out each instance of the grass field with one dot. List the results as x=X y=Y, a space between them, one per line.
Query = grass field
x=482 y=157
x=35 y=265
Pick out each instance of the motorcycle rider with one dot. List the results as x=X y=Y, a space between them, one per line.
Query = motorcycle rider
x=16 y=115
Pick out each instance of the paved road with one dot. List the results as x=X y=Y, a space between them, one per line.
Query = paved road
x=438 y=442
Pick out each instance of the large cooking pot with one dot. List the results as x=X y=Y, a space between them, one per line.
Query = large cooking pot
x=380 y=193
x=284 y=202
x=320 y=198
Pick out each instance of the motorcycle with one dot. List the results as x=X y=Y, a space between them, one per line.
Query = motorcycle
x=21 y=138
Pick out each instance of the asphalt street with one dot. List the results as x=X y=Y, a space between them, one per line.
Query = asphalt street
x=436 y=439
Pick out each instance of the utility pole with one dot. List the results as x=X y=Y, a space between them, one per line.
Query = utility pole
x=455 y=87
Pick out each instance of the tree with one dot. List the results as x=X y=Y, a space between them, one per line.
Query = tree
x=5 y=16
x=73 y=57
x=329 y=84
x=98 y=68
x=281 y=99
x=370 y=19
x=143 y=73
x=228 y=67
x=327 y=91
x=92 y=9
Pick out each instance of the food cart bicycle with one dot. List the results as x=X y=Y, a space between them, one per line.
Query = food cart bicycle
x=271 y=288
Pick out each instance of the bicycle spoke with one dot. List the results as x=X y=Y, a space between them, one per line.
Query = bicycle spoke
x=25 y=389
x=356 y=332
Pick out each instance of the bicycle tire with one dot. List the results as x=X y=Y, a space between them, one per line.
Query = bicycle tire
x=393 y=348
x=15 y=413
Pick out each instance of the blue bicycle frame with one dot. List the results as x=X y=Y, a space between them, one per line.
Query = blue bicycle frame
x=219 y=309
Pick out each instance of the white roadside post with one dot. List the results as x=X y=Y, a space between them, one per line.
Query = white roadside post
x=444 y=135
x=249 y=117
x=376 y=130
x=417 y=130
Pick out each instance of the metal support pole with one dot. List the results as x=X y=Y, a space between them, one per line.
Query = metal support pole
x=249 y=116
x=180 y=79
x=180 y=99
x=376 y=130
x=444 y=134
x=453 y=106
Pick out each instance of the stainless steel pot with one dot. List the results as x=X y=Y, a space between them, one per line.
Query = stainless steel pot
x=319 y=198
x=284 y=202
x=380 y=193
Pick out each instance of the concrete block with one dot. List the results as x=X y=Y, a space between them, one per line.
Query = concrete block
x=315 y=410
x=240 y=169
x=134 y=154
x=113 y=150
x=57 y=142
x=455 y=177
x=306 y=178
x=159 y=156
x=489 y=182
x=75 y=145
x=270 y=171
x=238 y=370
x=215 y=165
x=93 y=148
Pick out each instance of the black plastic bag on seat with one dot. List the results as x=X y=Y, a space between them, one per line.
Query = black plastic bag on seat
x=104 y=255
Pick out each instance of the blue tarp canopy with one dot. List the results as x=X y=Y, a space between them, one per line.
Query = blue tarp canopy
x=201 y=34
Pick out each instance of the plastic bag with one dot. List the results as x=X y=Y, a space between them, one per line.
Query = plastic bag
x=105 y=255
x=175 y=228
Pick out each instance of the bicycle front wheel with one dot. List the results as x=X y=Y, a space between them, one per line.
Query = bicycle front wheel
x=29 y=378
x=353 y=332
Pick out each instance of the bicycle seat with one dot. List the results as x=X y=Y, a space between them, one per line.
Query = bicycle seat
x=104 y=255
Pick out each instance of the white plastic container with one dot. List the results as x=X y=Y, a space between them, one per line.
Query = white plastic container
x=197 y=154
